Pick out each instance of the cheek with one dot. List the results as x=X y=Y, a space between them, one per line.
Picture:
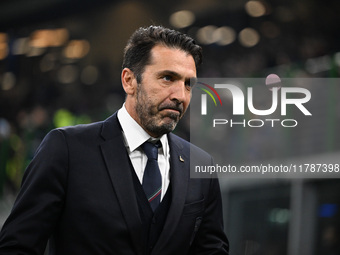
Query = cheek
x=149 y=97
x=153 y=101
x=159 y=97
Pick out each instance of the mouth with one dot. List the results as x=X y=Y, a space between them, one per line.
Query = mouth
x=171 y=110
x=174 y=113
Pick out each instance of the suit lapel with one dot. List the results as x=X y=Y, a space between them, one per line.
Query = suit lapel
x=179 y=167
x=117 y=162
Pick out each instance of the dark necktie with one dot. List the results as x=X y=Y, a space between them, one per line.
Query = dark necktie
x=152 y=179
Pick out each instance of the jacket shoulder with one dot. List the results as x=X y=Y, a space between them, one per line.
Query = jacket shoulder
x=81 y=129
x=97 y=129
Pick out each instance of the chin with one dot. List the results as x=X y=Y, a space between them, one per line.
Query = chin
x=165 y=128
x=169 y=122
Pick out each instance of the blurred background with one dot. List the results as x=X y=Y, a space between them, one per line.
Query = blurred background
x=60 y=63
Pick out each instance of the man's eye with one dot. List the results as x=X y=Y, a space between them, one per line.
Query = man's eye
x=188 y=86
x=189 y=83
x=167 y=78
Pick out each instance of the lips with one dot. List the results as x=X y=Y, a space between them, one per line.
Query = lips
x=178 y=108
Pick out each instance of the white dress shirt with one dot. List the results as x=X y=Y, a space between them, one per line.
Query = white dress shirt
x=134 y=136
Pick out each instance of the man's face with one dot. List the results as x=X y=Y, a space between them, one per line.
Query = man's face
x=163 y=95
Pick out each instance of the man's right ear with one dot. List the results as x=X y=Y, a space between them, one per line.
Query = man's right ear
x=129 y=81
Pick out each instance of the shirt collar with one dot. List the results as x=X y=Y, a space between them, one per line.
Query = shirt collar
x=134 y=134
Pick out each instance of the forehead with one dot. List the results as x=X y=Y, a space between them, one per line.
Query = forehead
x=172 y=59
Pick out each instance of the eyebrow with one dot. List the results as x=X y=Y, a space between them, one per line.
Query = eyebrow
x=174 y=74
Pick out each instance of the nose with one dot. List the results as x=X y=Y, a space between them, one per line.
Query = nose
x=179 y=92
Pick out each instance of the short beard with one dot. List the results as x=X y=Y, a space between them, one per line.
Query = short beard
x=148 y=118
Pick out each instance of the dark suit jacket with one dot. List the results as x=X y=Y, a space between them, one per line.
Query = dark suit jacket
x=78 y=191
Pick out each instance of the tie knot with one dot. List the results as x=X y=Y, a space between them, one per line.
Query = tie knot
x=151 y=149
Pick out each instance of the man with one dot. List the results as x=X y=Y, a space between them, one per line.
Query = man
x=86 y=188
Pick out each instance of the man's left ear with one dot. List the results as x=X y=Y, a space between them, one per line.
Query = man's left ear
x=129 y=81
